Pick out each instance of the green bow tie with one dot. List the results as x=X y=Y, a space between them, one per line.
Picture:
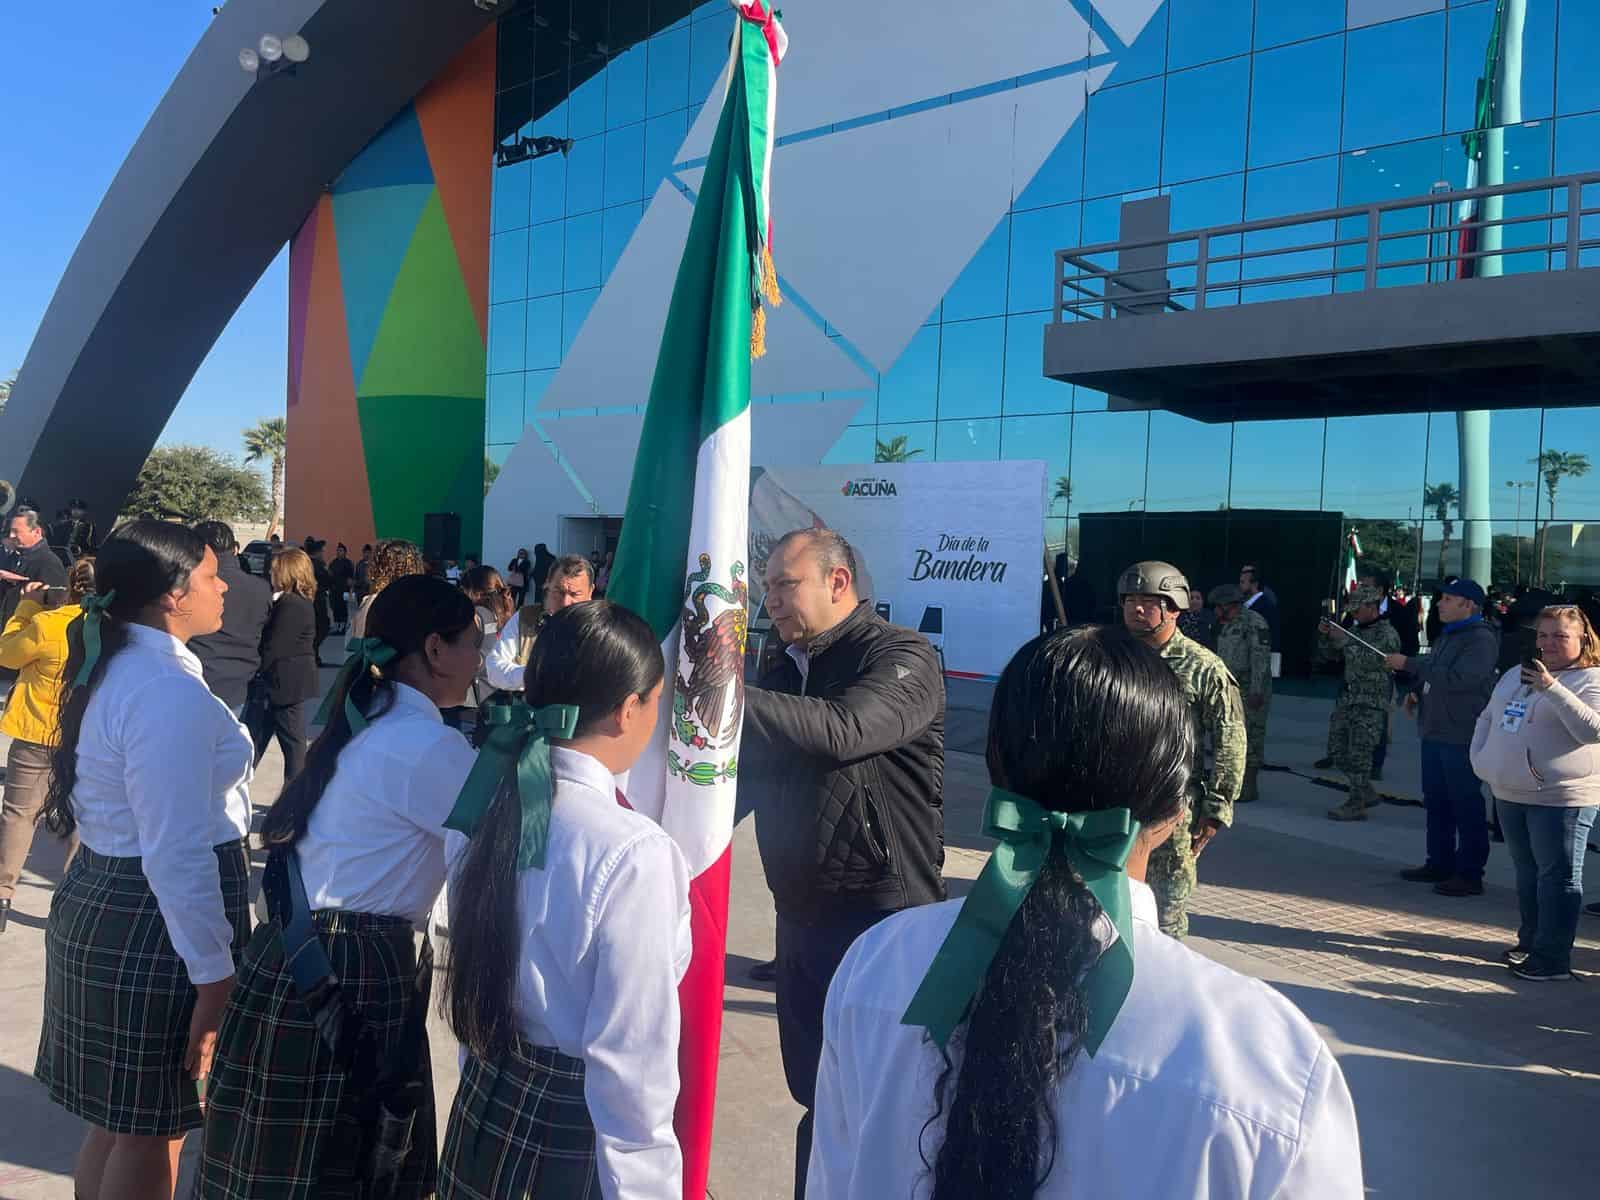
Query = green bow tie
x=94 y=612
x=518 y=745
x=1097 y=844
x=365 y=653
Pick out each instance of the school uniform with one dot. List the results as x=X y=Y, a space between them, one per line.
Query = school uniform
x=281 y=1121
x=1208 y=1084
x=582 y=1108
x=156 y=900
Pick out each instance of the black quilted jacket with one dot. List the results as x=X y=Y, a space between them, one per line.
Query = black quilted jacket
x=848 y=772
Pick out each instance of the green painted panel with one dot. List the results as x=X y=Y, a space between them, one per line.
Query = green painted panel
x=429 y=342
x=424 y=454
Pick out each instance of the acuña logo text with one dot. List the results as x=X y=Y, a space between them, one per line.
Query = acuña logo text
x=868 y=487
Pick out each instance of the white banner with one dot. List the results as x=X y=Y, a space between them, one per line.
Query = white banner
x=954 y=549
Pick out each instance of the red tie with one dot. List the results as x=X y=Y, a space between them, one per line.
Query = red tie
x=623 y=800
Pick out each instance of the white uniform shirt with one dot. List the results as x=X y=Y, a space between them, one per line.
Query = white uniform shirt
x=500 y=665
x=1209 y=1084
x=375 y=842
x=164 y=775
x=605 y=942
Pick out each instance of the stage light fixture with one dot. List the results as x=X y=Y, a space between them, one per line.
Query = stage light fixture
x=296 y=49
x=271 y=47
x=249 y=60
x=274 y=55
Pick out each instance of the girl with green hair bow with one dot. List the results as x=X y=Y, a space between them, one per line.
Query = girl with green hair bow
x=1042 y=1037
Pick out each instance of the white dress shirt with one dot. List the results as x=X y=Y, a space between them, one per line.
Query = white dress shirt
x=1209 y=1084
x=605 y=942
x=500 y=666
x=375 y=842
x=164 y=775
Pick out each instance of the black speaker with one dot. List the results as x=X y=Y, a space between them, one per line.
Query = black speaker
x=441 y=537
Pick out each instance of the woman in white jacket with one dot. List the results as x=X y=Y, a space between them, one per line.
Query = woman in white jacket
x=1537 y=746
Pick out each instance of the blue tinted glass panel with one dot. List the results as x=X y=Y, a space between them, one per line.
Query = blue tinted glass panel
x=1035 y=238
x=668 y=72
x=1399 y=70
x=583 y=238
x=536 y=383
x=1108 y=458
x=1123 y=128
x=968 y=441
x=918 y=445
x=625 y=88
x=662 y=137
x=1277 y=22
x=709 y=41
x=1147 y=55
x=1302 y=187
x=508 y=266
x=1513 y=439
x=546 y=258
x=1041 y=438
x=586 y=169
x=1573 y=431
x=1202 y=30
x=980 y=289
x=909 y=392
x=575 y=307
x=1205 y=121
x=1206 y=202
x=544 y=333
x=1469 y=33
x=510 y=197
x=553 y=123
x=855 y=445
x=620 y=222
x=1277 y=464
x=971 y=367
x=624 y=164
x=1295 y=102
x=549 y=187
x=505 y=336
x=866 y=401
x=1577 y=80
x=1188 y=469
x=1061 y=176
x=1375 y=464
x=1027 y=388
x=505 y=408
x=586 y=107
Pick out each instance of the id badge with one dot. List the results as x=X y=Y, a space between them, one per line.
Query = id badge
x=1516 y=712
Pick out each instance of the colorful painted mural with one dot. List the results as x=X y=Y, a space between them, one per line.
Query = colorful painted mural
x=388 y=296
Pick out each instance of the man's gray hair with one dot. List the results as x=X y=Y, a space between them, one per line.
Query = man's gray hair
x=828 y=545
x=569 y=565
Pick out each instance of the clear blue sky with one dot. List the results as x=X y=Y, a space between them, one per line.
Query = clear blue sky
x=80 y=81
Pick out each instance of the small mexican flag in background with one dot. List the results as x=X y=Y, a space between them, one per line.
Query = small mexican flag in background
x=1352 y=552
x=682 y=559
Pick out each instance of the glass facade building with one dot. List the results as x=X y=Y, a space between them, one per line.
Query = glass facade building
x=1237 y=109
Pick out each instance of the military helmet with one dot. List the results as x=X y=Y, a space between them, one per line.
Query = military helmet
x=1155 y=579
x=1225 y=593
x=1363 y=594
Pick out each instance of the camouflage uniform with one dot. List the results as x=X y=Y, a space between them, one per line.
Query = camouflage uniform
x=1215 y=709
x=1244 y=645
x=1362 y=710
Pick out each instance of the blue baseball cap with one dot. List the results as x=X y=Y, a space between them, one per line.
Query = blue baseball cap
x=1467 y=589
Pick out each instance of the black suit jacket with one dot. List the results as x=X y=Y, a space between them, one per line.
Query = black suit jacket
x=289 y=653
x=40 y=564
x=232 y=655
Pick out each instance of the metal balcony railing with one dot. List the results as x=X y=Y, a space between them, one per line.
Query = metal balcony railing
x=1542 y=225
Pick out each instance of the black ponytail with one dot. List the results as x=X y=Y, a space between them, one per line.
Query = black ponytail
x=404 y=615
x=594 y=655
x=1082 y=719
x=141 y=562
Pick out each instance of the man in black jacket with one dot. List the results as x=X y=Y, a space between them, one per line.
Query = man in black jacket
x=843 y=753
x=36 y=562
x=230 y=656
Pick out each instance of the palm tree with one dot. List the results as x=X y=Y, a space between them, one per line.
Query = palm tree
x=491 y=472
x=1063 y=491
x=1556 y=465
x=895 y=450
x=5 y=391
x=269 y=440
x=1442 y=497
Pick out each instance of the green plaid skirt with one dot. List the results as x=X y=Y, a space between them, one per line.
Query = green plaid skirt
x=520 y=1129
x=279 y=1120
x=118 y=999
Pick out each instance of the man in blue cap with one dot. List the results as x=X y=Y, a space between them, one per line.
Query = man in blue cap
x=1452 y=682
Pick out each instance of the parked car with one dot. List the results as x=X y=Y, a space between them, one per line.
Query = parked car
x=257 y=558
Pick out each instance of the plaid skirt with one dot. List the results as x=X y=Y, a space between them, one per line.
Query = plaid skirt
x=118 y=998
x=280 y=1121
x=520 y=1130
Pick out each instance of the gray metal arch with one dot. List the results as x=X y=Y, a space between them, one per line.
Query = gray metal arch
x=220 y=178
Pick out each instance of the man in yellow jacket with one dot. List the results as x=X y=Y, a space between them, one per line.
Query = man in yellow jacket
x=33 y=643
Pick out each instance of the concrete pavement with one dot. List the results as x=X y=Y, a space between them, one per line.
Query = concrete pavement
x=1467 y=1081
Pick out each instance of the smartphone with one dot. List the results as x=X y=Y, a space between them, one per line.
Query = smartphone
x=1529 y=659
x=55 y=597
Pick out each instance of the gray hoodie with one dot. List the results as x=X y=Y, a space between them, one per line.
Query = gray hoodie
x=1551 y=755
x=1454 y=681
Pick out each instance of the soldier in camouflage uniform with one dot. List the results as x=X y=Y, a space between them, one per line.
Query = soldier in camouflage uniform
x=1362 y=711
x=1152 y=595
x=1244 y=644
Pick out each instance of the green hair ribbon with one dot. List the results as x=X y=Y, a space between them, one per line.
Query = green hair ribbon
x=95 y=607
x=365 y=653
x=517 y=747
x=1097 y=843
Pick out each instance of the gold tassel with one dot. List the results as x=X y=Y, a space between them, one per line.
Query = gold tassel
x=758 y=332
x=769 y=277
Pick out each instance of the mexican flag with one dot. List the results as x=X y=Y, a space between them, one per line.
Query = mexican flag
x=1352 y=552
x=682 y=560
